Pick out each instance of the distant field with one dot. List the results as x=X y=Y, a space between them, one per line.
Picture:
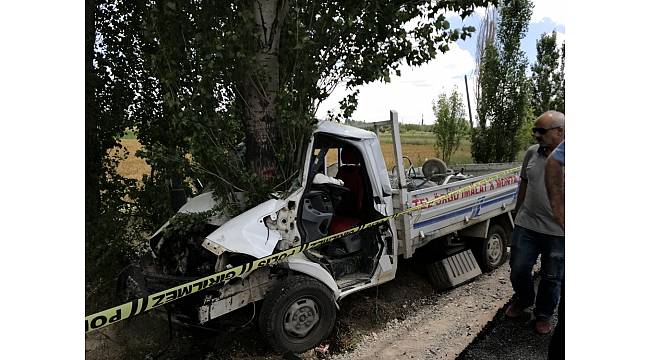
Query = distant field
x=419 y=153
x=417 y=146
x=133 y=167
x=411 y=137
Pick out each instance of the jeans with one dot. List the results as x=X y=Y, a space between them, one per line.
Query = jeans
x=527 y=245
x=556 y=347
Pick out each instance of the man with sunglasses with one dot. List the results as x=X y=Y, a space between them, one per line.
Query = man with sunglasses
x=536 y=231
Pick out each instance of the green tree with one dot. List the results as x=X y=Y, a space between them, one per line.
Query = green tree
x=279 y=59
x=110 y=91
x=485 y=38
x=328 y=43
x=547 y=76
x=559 y=80
x=211 y=75
x=488 y=105
x=450 y=126
x=524 y=136
x=505 y=89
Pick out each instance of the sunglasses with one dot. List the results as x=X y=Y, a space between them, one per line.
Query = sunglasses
x=543 y=131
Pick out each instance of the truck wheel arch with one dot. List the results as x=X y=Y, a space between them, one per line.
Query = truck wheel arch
x=299 y=264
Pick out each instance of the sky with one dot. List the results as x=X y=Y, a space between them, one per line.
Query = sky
x=412 y=93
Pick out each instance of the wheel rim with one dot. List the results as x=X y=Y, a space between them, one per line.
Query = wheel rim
x=494 y=249
x=301 y=317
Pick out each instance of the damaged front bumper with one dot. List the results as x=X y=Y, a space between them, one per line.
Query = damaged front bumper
x=202 y=307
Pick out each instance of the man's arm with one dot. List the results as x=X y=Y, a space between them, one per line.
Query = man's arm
x=521 y=193
x=523 y=181
x=554 y=180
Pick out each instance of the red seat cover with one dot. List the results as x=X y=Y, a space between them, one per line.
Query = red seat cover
x=342 y=223
x=351 y=174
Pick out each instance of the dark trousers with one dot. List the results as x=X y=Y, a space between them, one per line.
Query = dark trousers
x=527 y=245
x=556 y=347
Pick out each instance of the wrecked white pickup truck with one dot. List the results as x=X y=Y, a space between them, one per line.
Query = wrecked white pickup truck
x=344 y=183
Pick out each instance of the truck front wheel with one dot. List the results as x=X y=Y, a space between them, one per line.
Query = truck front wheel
x=297 y=314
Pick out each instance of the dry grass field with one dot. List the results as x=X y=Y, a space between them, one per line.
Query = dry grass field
x=419 y=153
x=134 y=167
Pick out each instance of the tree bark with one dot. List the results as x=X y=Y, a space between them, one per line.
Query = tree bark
x=261 y=88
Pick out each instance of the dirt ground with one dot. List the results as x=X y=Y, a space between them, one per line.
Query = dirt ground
x=443 y=326
x=403 y=318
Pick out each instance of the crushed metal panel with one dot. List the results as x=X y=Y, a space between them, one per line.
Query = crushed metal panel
x=237 y=295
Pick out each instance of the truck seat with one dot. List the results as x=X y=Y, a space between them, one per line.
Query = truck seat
x=351 y=174
x=342 y=223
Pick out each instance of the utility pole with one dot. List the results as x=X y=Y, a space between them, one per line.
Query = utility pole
x=422 y=120
x=469 y=107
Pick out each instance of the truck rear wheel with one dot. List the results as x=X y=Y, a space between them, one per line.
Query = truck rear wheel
x=491 y=251
x=297 y=314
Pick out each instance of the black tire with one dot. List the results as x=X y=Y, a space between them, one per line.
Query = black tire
x=492 y=251
x=297 y=314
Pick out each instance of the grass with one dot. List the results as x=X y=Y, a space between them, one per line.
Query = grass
x=129 y=134
x=411 y=137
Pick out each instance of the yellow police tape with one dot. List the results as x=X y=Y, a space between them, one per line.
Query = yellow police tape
x=139 y=306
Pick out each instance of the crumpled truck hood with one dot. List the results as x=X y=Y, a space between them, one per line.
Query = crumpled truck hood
x=247 y=233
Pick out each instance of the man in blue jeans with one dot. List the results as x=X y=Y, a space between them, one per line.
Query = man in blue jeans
x=536 y=231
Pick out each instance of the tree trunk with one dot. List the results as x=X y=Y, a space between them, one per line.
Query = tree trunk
x=261 y=88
